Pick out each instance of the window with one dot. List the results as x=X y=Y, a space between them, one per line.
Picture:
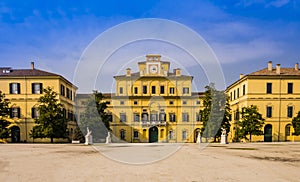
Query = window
x=122 y=134
x=68 y=93
x=185 y=90
x=198 y=117
x=162 y=89
x=15 y=112
x=185 y=117
x=234 y=95
x=198 y=102
x=122 y=117
x=14 y=88
x=162 y=133
x=153 y=89
x=290 y=88
x=230 y=96
x=121 y=102
x=288 y=130
x=34 y=112
x=269 y=111
x=136 y=117
x=184 y=135
x=144 y=89
x=153 y=117
x=244 y=89
x=135 y=102
x=171 y=135
x=64 y=113
x=135 y=135
x=269 y=88
x=162 y=116
x=172 y=117
x=135 y=90
x=238 y=93
x=184 y=102
x=121 y=90
x=171 y=102
x=62 y=90
x=37 y=88
x=237 y=115
x=109 y=117
x=71 y=95
x=290 y=111
x=145 y=117
x=172 y=90
x=108 y=102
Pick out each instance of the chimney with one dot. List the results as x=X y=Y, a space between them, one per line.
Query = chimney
x=241 y=75
x=128 y=72
x=277 y=68
x=270 y=68
x=32 y=65
x=177 y=72
x=297 y=66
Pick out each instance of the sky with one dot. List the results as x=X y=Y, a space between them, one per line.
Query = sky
x=244 y=35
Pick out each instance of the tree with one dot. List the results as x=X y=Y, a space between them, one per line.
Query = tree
x=51 y=122
x=296 y=124
x=94 y=117
x=215 y=114
x=4 y=113
x=251 y=122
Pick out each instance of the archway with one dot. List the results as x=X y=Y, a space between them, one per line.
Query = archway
x=153 y=134
x=15 y=134
x=268 y=133
x=196 y=133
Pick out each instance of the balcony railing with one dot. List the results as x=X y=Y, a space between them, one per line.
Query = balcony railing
x=153 y=123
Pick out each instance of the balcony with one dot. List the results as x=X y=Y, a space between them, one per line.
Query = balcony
x=153 y=123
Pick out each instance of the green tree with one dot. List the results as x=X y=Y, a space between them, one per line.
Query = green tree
x=95 y=117
x=251 y=122
x=51 y=122
x=296 y=124
x=215 y=114
x=4 y=113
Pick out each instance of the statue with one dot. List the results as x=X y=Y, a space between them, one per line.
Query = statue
x=108 y=138
x=88 y=137
x=198 y=138
x=223 y=136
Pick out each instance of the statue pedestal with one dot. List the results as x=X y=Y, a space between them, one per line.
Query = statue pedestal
x=88 y=140
x=223 y=139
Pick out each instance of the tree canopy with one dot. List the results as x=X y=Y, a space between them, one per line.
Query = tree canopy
x=4 y=113
x=251 y=123
x=95 y=117
x=296 y=124
x=215 y=114
x=51 y=122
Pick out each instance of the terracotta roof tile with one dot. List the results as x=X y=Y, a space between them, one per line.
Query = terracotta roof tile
x=24 y=72
x=283 y=71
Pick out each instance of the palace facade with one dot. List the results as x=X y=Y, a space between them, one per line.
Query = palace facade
x=276 y=92
x=154 y=104
x=23 y=87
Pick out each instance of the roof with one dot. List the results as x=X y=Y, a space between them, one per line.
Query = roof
x=283 y=71
x=137 y=74
x=24 y=72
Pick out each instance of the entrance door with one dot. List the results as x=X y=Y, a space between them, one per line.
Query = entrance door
x=15 y=134
x=153 y=134
x=268 y=133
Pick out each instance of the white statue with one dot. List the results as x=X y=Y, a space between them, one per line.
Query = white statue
x=198 y=138
x=108 y=138
x=88 y=137
x=223 y=136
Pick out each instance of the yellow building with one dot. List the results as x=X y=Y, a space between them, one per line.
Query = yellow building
x=23 y=87
x=276 y=93
x=155 y=105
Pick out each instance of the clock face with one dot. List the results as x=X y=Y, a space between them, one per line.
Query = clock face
x=153 y=69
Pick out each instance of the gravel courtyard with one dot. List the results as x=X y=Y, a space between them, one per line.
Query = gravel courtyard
x=189 y=162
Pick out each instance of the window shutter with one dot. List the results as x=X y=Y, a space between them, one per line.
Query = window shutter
x=19 y=112
x=18 y=85
x=41 y=88
x=187 y=117
x=10 y=88
x=32 y=88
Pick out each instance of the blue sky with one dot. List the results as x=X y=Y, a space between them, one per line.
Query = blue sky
x=244 y=35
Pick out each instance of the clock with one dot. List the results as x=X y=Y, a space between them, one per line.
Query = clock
x=153 y=69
